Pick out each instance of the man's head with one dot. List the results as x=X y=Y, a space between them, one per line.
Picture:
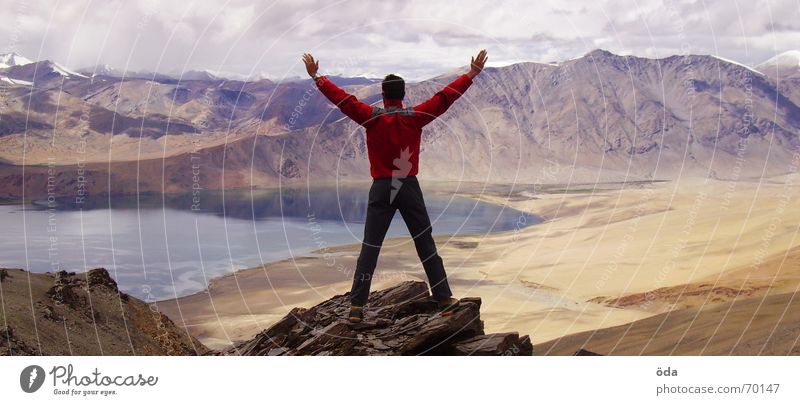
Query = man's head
x=394 y=88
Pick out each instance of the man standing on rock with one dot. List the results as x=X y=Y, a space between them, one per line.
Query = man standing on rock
x=393 y=140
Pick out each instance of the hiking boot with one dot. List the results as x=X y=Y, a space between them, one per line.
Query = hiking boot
x=356 y=314
x=447 y=306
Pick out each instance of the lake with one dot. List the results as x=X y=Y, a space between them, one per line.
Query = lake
x=162 y=246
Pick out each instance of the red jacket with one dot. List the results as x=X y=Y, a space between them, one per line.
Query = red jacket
x=394 y=132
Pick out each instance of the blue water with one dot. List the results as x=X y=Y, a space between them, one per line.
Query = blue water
x=161 y=246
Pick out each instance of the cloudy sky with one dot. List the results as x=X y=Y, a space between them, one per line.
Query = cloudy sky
x=418 y=39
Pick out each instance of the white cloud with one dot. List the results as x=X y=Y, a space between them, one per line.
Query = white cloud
x=417 y=38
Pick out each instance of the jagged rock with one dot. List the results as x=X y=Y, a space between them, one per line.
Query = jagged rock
x=100 y=277
x=64 y=291
x=584 y=352
x=506 y=344
x=401 y=320
x=67 y=287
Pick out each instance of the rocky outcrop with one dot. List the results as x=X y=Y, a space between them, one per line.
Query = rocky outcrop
x=100 y=277
x=401 y=320
x=65 y=290
x=67 y=313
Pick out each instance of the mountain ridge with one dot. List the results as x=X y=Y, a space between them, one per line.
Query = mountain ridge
x=789 y=55
x=600 y=117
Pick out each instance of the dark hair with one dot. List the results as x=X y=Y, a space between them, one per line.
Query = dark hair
x=394 y=88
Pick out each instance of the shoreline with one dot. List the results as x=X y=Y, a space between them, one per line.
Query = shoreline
x=267 y=282
x=350 y=248
x=493 y=212
x=567 y=275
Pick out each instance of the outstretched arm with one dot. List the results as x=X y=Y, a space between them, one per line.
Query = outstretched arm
x=441 y=101
x=349 y=104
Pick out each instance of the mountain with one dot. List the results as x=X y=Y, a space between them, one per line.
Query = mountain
x=784 y=71
x=100 y=70
x=788 y=60
x=42 y=73
x=401 y=320
x=600 y=117
x=84 y=314
x=349 y=81
x=197 y=75
x=8 y=60
x=112 y=72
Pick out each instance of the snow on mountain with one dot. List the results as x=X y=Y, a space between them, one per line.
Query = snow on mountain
x=8 y=60
x=63 y=71
x=786 y=59
x=16 y=82
x=227 y=75
x=99 y=70
x=737 y=63
x=208 y=74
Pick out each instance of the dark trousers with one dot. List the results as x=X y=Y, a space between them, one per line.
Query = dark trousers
x=385 y=197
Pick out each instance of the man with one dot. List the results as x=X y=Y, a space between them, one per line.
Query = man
x=393 y=139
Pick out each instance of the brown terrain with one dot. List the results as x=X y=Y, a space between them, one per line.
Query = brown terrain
x=748 y=311
x=82 y=314
x=762 y=326
x=604 y=260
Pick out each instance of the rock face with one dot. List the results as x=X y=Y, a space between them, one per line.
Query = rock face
x=401 y=320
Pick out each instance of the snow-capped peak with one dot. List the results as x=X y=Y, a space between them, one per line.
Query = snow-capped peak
x=99 y=70
x=235 y=76
x=107 y=70
x=63 y=71
x=8 y=60
x=786 y=59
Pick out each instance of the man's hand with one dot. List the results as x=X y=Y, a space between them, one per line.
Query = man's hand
x=476 y=64
x=312 y=66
